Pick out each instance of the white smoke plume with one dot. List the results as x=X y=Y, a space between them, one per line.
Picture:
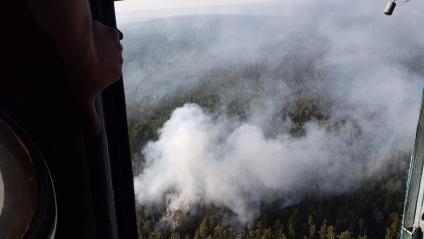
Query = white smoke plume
x=368 y=65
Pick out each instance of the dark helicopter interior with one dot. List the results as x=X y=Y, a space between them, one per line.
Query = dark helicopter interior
x=92 y=176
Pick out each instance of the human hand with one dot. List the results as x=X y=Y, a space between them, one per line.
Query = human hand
x=100 y=67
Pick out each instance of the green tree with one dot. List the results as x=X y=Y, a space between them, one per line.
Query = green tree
x=330 y=234
x=175 y=236
x=345 y=235
x=322 y=231
x=203 y=230
x=291 y=233
x=311 y=226
x=147 y=228
x=392 y=231
x=218 y=231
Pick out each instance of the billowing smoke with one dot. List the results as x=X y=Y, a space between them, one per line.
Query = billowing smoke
x=360 y=69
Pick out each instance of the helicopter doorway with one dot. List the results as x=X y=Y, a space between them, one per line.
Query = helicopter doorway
x=414 y=207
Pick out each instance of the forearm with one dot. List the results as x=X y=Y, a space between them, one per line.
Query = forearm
x=91 y=52
x=68 y=23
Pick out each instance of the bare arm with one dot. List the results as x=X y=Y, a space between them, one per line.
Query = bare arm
x=90 y=50
x=68 y=23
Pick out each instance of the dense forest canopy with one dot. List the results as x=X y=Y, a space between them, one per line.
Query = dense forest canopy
x=255 y=125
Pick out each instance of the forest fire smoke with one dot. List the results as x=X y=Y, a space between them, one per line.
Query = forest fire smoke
x=204 y=157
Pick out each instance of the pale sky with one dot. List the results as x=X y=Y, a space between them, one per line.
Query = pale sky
x=161 y=4
x=128 y=11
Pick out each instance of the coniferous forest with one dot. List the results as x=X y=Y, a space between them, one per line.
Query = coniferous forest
x=371 y=211
x=332 y=111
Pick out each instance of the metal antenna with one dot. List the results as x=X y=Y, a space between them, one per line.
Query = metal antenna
x=390 y=7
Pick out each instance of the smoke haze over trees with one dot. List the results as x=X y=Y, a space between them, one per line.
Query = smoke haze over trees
x=269 y=104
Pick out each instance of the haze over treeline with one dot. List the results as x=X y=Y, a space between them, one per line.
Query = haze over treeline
x=315 y=99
